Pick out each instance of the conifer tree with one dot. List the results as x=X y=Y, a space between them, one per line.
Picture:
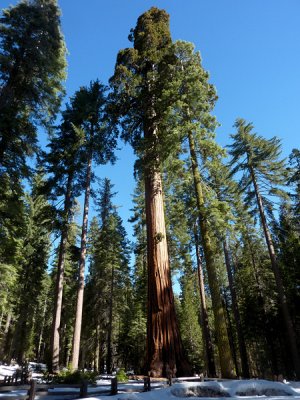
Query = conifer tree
x=12 y=232
x=262 y=169
x=32 y=69
x=294 y=159
x=255 y=289
x=138 y=84
x=196 y=124
x=108 y=279
x=224 y=222
x=88 y=116
x=132 y=340
x=182 y=236
x=36 y=246
x=64 y=181
x=189 y=316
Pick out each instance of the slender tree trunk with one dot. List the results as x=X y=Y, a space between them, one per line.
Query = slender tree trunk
x=5 y=333
x=55 y=339
x=22 y=333
x=236 y=313
x=209 y=351
x=226 y=363
x=40 y=339
x=230 y=332
x=97 y=349
x=8 y=338
x=1 y=319
x=80 y=292
x=110 y=319
x=165 y=354
x=290 y=332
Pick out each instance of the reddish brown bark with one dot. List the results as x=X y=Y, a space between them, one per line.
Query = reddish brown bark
x=165 y=354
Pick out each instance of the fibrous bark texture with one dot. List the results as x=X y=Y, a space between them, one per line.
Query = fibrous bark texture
x=165 y=355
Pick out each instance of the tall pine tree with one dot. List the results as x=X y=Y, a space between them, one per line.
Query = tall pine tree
x=262 y=169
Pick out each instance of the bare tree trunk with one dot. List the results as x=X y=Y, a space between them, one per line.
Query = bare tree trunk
x=165 y=354
x=5 y=332
x=236 y=313
x=40 y=339
x=97 y=350
x=290 y=332
x=55 y=339
x=226 y=363
x=80 y=292
x=209 y=351
x=230 y=331
x=8 y=322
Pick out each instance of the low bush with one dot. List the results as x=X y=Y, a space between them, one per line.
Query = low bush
x=73 y=377
x=121 y=375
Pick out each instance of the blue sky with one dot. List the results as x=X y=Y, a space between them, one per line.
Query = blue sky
x=251 y=49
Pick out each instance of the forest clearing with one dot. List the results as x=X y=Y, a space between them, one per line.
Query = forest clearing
x=209 y=283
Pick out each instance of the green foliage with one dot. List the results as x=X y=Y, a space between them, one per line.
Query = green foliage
x=32 y=68
x=121 y=375
x=257 y=159
x=138 y=100
x=108 y=282
x=73 y=377
x=32 y=266
x=294 y=160
x=189 y=318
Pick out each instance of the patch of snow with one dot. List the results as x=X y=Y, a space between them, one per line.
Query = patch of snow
x=199 y=389
x=8 y=370
x=258 y=387
x=242 y=389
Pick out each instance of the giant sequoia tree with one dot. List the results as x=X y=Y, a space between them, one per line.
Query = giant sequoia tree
x=138 y=84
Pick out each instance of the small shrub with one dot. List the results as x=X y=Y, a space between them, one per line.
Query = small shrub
x=73 y=377
x=121 y=375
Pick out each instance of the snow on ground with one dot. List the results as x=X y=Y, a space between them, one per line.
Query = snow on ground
x=243 y=389
x=7 y=370
x=222 y=390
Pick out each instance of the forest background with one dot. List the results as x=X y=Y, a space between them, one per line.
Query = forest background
x=251 y=50
x=251 y=55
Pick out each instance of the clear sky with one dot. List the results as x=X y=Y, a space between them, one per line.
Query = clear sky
x=251 y=49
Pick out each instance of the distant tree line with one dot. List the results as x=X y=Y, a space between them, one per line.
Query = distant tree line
x=225 y=220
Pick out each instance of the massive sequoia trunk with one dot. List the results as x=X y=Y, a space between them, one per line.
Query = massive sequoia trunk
x=165 y=354
x=164 y=348
x=226 y=362
x=290 y=332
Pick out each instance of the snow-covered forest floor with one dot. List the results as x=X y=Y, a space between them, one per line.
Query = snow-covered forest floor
x=221 y=389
